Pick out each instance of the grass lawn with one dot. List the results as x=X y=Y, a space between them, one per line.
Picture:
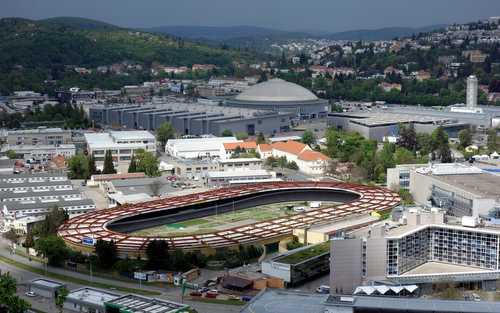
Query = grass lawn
x=221 y=221
x=305 y=254
x=75 y=280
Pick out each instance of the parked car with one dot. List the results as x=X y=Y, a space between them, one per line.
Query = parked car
x=211 y=294
x=195 y=294
x=323 y=289
x=203 y=289
x=30 y=294
x=246 y=298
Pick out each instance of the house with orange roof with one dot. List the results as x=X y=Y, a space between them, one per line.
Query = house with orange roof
x=309 y=161
x=265 y=150
x=243 y=146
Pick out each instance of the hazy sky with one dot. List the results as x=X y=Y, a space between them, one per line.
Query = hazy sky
x=328 y=15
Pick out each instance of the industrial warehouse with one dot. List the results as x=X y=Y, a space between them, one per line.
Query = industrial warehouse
x=192 y=118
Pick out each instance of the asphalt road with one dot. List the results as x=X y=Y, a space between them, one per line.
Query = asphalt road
x=23 y=277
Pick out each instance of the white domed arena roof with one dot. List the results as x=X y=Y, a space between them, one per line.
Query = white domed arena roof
x=276 y=90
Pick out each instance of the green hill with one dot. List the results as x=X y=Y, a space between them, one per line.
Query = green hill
x=34 y=51
x=79 y=23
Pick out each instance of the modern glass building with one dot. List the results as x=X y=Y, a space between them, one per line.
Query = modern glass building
x=477 y=248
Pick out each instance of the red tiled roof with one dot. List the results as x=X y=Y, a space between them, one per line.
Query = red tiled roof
x=105 y=177
x=264 y=147
x=290 y=146
x=242 y=145
x=310 y=155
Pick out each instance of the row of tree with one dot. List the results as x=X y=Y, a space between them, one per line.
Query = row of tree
x=373 y=163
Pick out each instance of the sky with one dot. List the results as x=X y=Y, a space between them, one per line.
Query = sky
x=317 y=15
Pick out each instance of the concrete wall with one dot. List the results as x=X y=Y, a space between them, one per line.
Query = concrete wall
x=376 y=256
x=279 y=270
x=345 y=265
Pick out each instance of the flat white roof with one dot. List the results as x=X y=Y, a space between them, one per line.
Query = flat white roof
x=284 y=138
x=240 y=160
x=132 y=198
x=46 y=283
x=90 y=295
x=105 y=140
x=199 y=144
x=246 y=173
x=339 y=225
x=132 y=135
x=406 y=230
x=438 y=268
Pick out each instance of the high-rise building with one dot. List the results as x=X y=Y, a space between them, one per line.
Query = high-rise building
x=472 y=91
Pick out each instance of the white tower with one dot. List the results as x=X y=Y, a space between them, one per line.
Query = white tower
x=471 y=92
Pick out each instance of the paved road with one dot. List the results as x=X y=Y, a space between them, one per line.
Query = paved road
x=173 y=294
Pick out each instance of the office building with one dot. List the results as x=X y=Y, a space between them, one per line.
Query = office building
x=399 y=177
x=39 y=136
x=42 y=153
x=192 y=118
x=122 y=144
x=196 y=148
x=459 y=189
x=238 y=176
x=421 y=249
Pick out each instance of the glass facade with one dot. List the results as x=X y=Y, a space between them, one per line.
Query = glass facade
x=446 y=245
x=456 y=204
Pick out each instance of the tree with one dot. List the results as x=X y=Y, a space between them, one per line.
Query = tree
x=157 y=253
x=227 y=133
x=308 y=137
x=241 y=135
x=492 y=141
x=109 y=167
x=444 y=154
x=9 y=301
x=62 y=293
x=282 y=162
x=407 y=137
x=147 y=162
x=165 y=132
x=292 y=165
x=11 y=154
x=92 y=167
x=424 y=144
x=404 y=156
x=78 y=167
x=440 y=147
x=260 y=138
x=53 y=248
x=465 y=138
x=12 y=236
x=106 y=253
x=51 y=223
x=132 y=168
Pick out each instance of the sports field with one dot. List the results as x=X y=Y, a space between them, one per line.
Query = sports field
x=227 y=220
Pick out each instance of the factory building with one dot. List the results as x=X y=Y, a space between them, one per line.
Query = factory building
x=192 y=118
x=379 y=125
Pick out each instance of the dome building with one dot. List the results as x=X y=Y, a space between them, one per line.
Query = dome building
x=281 y=96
